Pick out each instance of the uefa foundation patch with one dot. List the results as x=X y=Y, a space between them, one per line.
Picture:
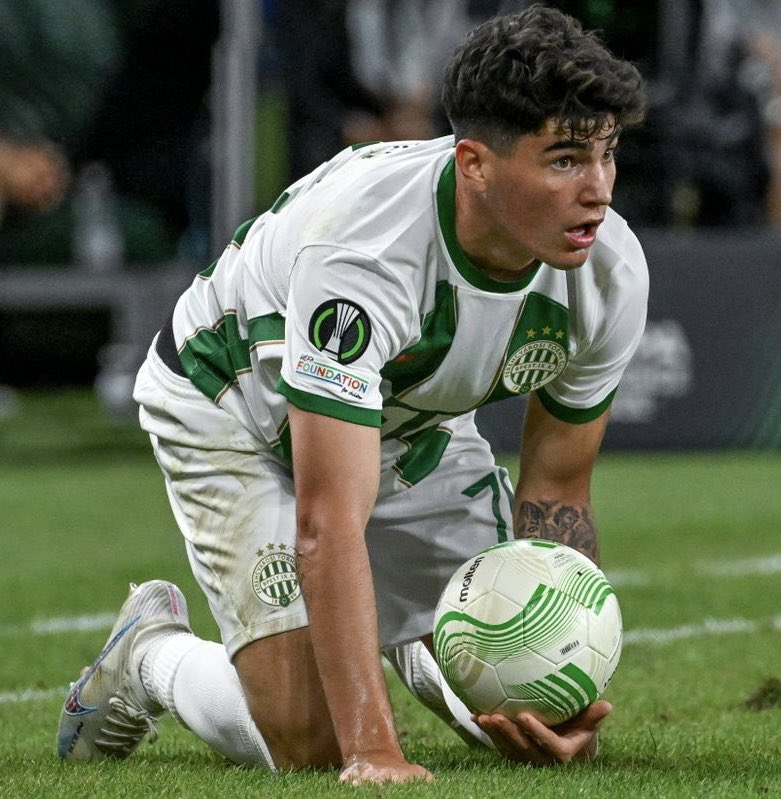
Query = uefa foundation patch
x=275 y=576
x=323 y=371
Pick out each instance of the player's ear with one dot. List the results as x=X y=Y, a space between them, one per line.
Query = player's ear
x=472 y=162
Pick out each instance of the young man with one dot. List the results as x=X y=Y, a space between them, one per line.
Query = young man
x=311 y=407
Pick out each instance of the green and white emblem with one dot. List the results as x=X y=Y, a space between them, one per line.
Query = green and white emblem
x=341 y=329
x=533 y=365
x=275 y=577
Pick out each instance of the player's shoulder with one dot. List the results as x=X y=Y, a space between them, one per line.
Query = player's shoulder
x=398 y=176
x=378 y=201
x=617 y=256
x=617 y=246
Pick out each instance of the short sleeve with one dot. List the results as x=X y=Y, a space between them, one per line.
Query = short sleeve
x=347 y=316
x=611 y=307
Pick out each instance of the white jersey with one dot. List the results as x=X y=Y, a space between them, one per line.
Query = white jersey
x=352 y=298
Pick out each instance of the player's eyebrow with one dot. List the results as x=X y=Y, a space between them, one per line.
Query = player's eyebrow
x=579 y=144
x=566 y=144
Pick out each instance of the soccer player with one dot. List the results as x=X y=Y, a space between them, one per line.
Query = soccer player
x=310 y=404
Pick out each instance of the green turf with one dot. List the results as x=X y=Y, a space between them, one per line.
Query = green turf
x=84 y=511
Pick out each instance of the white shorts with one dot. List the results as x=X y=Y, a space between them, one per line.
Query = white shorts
x=234 y=502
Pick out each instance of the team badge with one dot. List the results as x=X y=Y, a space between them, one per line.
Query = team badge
x=275 y=577
x=341 y=329
x=533 y=365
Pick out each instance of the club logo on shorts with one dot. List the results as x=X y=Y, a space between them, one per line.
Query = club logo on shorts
x=533 y=365
x=275 y=577
x=341 y=329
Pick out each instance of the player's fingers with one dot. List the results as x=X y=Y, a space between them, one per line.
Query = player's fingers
x=510 y=740
x=545 y=738
x=503 y=728
x=563 y=745
x=595 y=714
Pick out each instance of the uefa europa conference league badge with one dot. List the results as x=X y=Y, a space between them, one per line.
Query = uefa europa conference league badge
x=341 y=329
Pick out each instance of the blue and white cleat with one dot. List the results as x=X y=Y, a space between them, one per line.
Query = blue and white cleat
x=107 y=712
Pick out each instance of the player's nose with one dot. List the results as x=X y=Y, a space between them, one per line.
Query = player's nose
x=598 y=187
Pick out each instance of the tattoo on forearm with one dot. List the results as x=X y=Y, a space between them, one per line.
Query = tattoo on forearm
x=569 y=524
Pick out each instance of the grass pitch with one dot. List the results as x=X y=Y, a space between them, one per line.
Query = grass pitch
x=691 y=542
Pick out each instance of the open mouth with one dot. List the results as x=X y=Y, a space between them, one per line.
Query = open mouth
x=583 y=235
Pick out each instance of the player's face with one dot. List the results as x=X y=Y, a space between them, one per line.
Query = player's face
x=546 y=200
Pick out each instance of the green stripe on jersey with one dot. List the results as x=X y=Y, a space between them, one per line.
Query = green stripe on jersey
x=574 y=415
x=270 y=327
x=446 y=211
x=423 y=358
x=213 y=356
x=238 y=239
x=426 y=449
x=207 y=273
x=329 y=407
x=241 y=232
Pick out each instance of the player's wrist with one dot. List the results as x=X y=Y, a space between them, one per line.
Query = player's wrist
x=383 y=753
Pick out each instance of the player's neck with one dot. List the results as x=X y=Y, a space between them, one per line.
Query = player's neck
x=486 y=247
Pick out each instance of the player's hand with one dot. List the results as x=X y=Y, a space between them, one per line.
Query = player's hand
x=527 y=740
x=364 y=770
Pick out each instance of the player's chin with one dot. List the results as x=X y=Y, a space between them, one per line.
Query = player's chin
x=570 y=259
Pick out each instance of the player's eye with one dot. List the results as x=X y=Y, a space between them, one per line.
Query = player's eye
x=565 y=162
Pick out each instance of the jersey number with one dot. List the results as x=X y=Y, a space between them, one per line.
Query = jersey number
x=492 y=481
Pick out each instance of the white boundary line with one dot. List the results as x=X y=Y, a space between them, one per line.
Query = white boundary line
x=31 y=695
x=770 y=564
x=654 y=637
x=660 y=637
x=61 y=624
x=619 y=578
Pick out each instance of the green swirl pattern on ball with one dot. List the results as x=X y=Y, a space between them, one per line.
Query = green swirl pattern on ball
x=547 y=617
x=587 y=586
x=559 y=695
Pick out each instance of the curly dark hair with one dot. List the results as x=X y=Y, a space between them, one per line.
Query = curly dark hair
x=513 y=73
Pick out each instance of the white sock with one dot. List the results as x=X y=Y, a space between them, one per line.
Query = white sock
x=419 y=672
x=197 y=683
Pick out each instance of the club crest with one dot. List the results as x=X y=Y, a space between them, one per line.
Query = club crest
x=275 y=576
x=533 y=365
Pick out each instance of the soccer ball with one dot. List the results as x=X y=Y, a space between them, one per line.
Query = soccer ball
x=528 y=625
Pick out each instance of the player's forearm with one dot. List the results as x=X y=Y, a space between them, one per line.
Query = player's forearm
x=568 y=523
x=337 y=586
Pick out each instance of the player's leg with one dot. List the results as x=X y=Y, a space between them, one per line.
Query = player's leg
x=152 y=662
x=285 y=697
x=427 y=522
x=237 y=513
x=416 y=667
x=422 y=530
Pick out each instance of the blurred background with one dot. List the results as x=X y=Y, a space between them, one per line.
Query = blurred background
x=136 y=135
